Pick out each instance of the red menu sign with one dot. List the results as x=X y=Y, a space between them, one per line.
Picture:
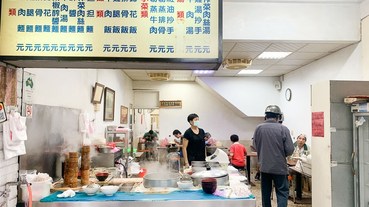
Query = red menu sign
x=317 y=124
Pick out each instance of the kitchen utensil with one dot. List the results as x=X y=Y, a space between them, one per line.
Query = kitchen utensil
x=161 y=180
x=220 y=175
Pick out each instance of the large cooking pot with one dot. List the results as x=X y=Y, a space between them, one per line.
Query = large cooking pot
x=198 y=163
x=152 y=180
x=220 y=175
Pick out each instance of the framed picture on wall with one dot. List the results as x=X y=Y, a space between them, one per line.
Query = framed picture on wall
x=123 y=115
x=109 y=104
x=97 y=93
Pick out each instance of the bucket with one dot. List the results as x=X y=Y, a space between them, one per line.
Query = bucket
x=39 y=190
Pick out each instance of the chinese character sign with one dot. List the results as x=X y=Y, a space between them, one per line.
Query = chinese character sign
x=318 y=124
x=110 y=28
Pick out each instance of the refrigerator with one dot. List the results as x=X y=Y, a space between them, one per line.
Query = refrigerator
x=360 y=158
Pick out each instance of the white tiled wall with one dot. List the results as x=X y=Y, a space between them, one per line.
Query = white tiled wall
x=9 y=168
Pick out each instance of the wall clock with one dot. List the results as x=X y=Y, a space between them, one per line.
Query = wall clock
x=288 y=94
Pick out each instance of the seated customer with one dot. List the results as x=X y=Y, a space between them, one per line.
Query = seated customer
x=177 y=137
x=301 y=149
x=178 y=140
x=237 y=153
x=209 y=141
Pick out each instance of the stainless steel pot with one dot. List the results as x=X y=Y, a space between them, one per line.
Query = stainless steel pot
x=198 y=169
x=220 y=175
x=198 y=163
x=152 y=180
x=104 y=149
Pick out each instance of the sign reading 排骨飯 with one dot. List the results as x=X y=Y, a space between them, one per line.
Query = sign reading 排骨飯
x=110 y=28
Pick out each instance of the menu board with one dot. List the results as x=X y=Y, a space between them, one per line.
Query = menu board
x=111 y=28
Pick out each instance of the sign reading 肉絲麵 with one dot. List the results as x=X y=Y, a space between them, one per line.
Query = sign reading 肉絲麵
x=110 y=28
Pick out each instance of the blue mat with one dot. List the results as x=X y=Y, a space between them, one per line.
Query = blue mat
x=122 y=196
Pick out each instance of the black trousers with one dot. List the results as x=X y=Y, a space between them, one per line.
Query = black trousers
x=298 y=189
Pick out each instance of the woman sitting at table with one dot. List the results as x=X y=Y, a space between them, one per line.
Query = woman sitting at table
x=301 y=149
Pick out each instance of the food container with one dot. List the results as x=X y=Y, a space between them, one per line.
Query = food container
x=91 y=189
x=221 y=176
x=109 y=190
x=152 y=180
x=101 y=176
x=39 y=190
x=185 y=184
x=209 y=185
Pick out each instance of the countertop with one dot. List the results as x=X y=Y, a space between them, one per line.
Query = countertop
x=196 y=198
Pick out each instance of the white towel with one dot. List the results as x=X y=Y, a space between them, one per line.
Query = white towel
x=85 y=124
x=66 y=194
x=17 y=126
x=11 y=148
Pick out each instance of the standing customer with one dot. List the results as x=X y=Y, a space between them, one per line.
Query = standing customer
x=193 y=146
x=151 y=139
x=237 y=153
x=273 y=144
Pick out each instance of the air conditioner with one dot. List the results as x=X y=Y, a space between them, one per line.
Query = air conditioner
x=158 y=76
x=237 y=64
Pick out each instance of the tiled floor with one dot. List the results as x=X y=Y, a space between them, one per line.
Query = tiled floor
x=257 y=192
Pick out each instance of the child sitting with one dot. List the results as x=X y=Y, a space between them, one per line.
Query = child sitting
x=237 y=153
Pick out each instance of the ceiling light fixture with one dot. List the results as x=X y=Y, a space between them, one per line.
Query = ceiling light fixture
x=158 y=76
x=203 y=72
x=273 y=55
x=249 y=72
x=237 y=64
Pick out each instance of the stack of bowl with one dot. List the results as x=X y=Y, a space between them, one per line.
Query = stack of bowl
x=209 y=185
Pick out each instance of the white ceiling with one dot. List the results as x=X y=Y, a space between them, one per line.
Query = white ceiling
x=302 y=54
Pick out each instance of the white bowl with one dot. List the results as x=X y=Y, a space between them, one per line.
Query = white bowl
x=185 y=185
x=91 y=189
x=109 y=190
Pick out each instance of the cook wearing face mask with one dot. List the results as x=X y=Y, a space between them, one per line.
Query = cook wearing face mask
x=193 y=147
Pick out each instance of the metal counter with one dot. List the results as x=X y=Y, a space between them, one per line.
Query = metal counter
x=177 y=198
